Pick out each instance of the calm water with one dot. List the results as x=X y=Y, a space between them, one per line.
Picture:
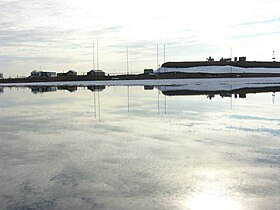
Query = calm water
x=136 y=148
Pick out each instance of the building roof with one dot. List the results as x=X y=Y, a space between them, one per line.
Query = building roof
x=96 y=71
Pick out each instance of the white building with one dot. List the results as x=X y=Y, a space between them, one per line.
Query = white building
x=42 y=74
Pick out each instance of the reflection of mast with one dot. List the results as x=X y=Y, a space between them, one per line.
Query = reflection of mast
x=98 y=106
x=165 y=102
x=273 y=97
x=158 y=100
x=231 y=94
x=128 y=98
x=94 y=104
x=231 y=101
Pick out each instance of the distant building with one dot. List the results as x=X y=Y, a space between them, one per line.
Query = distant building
x=225 y=59
x=210 y=59
x=42 y=74
x=96 y=73
x=148 y=71
x=70 y=73
x=242 y=59
x=1 y=76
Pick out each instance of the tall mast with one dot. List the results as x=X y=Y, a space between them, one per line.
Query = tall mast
x=97 y=55
x=163 y=53
x=93 y=64
x=127 y=60
x=157 y=56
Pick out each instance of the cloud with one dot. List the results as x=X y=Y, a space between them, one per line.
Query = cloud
x=273 y=20
x=189 y=30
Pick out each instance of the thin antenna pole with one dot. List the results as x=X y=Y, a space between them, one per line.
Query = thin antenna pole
x=127 y=60
x=231 y=59
x=93 y=64
x=163 y=53
x=97 y=55
x=157 y=56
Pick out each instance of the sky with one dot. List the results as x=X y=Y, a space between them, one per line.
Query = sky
x=58 y=35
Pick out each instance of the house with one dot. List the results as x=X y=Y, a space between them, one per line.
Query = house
x=96 y=73
x=242 y=59
x=1 y=76
x=225 y=59
x=210 y=59
x=42 y=74
x=148 y=71
x=70 y=73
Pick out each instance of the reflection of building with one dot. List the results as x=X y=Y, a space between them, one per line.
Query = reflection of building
x=148 y=71
x=210 y=96
x=224 y=91
x=96 y=88
x=70 y=73
x=69 y=88
x=96 y=73
x=43 y=89
x=148 y=87
x=42 y=74
x=1 y=90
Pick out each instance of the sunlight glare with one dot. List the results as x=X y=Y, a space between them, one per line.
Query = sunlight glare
x=213 y=196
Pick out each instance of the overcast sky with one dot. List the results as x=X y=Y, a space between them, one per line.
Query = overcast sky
x=58 y=34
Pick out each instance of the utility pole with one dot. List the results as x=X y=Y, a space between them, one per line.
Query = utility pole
x=97 y=65
x=157 y=56
x=127 y=60
x=93 y=64
x=163 y=53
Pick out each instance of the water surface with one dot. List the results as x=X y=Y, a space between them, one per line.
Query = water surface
x=135 y=147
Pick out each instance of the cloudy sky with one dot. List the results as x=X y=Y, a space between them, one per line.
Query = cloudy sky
x=58 y=34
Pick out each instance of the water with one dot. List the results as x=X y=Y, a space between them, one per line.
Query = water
x=130 y=147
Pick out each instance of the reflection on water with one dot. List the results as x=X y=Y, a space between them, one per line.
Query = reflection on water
x=139 y=147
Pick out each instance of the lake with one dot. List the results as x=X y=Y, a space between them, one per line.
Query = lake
x=139 y=147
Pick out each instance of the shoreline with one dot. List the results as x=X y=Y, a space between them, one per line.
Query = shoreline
x=161 y=76
x=175 y=70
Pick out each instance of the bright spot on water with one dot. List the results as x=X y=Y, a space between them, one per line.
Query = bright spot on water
x=212 y=197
